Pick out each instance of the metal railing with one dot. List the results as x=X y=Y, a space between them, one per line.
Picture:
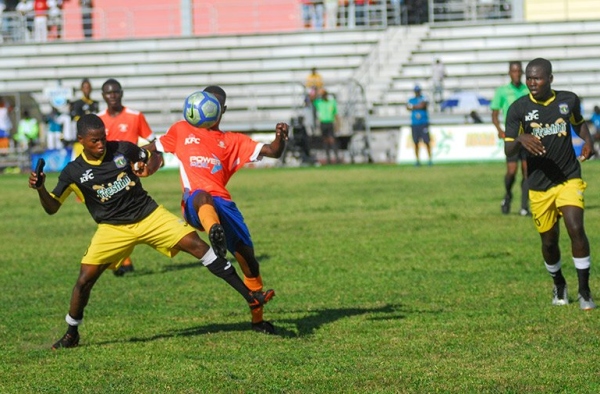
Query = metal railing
x=249 y=17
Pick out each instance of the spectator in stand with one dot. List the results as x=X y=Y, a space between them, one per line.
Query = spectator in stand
x=314 y=84
x=55 y=17
x=40 y=21
x=28 y=132
x=306 y=8
x=5 y=123
x=318 y=14
x=57 y=122
x=595 y=120
x=86 y=18
x=331 y=11
x=85 y=105
x=25 y=8
x=122 y=124
x=329 y=121
x=438 y=73
x=361 y=15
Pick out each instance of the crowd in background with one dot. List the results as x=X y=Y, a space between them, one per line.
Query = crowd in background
x=38 y=20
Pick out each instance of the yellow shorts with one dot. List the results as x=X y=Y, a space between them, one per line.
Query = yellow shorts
x=112 y=243
x=545 y=205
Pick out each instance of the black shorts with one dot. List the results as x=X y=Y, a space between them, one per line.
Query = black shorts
x=420 y=133
x=521 y=155
x=327 y=130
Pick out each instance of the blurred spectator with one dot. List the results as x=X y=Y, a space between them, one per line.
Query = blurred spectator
x=329 y=120
x=318 y=14
x=85 y=105
x=28 y=132
x=54 y=134
x=361 y=15
x=55 y=17
x=314 y=84
x=438 y=73
x=86 y=18
x=595 y=120
x=331 y=11
x=5 y=123
x=40 y=21
x=25 y=8
x=306 y=9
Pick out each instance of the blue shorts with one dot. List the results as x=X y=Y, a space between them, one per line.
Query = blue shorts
x=420 y=132
x=230 y=216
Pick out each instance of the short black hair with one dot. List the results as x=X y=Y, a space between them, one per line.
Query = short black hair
x=87 y=123
x=515 y=63
x=218 y=92
x=111 y=81
x=541 y=63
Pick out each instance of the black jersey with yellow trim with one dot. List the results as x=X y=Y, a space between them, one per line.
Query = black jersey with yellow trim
x=111 y=191
x=550 y=121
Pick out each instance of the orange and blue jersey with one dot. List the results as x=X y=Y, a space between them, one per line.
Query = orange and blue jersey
x=128 y=125
x=208 y=158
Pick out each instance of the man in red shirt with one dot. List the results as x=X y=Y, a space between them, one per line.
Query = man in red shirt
x=122 y=124
x=209 y=158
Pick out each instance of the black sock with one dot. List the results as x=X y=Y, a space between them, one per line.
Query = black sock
x=558 y=278
x=224 y=270
x=72 y=330
x=583 y=275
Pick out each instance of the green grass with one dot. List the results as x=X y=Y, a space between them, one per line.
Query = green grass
x=389 y=280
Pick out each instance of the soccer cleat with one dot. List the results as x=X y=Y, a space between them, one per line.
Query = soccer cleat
x=264 y=327
x=559 y=295
x=66 y=341
x=505 y=206
x=260 y=298
x=586 y=304
x=524 y=212
x=122 y=270
x=216 y=235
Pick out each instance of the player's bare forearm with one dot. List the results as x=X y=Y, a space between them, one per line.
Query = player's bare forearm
x=275 y=149
x=49 y=203
x=155 y=161
x=496 y=122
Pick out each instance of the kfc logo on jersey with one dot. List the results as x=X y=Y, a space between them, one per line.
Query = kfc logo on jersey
x=221 y=144
x=533 y=115
x=191 y=139
x=86 y=176
x=123 y=127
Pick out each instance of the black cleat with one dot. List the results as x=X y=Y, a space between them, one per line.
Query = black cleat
x=506 y=205
x=264 y=327
x=216 y=235
x=260 y=298
x=66 y=341
x=122 y=270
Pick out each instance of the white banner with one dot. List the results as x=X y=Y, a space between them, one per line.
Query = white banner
x=471 y=142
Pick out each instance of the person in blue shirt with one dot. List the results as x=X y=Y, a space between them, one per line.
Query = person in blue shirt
x=419 y=121
x=595 y=119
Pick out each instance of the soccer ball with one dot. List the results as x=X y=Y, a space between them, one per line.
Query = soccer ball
x=201 y=109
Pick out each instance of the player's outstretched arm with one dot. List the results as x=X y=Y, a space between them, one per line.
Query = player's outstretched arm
x=275 y=148
x=49 y=203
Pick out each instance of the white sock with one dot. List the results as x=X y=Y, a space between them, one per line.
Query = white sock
x=72 y=322
x=582 y=263
x=208 y=258
x=554 y=268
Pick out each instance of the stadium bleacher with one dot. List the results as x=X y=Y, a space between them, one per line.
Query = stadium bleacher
x=264 y=73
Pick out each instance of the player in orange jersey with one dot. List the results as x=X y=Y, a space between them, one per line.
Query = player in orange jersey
x=209 y=158
x=122 y=124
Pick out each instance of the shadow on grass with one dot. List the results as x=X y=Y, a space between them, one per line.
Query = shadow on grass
x=305 y=326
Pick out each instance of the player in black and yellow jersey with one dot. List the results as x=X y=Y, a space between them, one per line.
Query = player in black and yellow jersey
x=106 y=176
x=541 y=123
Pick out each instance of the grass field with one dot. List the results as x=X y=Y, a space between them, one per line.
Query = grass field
x=389 y=280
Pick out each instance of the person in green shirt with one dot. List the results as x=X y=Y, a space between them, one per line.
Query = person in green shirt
x=28 y=131
x=327 y=114
x=504 y=96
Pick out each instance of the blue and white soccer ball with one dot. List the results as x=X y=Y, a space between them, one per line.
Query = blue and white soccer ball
x=201 y=109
